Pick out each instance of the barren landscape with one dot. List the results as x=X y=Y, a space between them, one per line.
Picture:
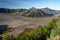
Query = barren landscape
x=16 y=23
x=20 y=23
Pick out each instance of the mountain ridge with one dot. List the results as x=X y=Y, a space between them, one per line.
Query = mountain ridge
x=32 y=12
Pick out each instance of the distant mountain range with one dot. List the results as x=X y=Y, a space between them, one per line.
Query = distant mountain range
x=5 y=10
x=36 y=13
x=32 y=12
x=43 y=12
x=50 y=11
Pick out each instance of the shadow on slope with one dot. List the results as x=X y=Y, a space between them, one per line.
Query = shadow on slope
x=3 y=28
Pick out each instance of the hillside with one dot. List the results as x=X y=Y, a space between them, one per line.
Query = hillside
x=31 y=12
x=50 y=11
x=21 y=22
x=51 y=31
x=36 y=13
x=8 y=11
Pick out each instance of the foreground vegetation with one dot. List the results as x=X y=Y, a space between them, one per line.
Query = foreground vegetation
x=46 y=32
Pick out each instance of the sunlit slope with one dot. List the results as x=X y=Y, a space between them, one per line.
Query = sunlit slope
x=36 y=13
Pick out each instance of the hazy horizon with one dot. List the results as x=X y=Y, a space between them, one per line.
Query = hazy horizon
x=52 y=4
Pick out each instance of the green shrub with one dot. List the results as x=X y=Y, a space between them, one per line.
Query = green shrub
x=8 y=37
x=40 y=33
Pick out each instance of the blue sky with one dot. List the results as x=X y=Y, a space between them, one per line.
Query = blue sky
x=53 y=4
